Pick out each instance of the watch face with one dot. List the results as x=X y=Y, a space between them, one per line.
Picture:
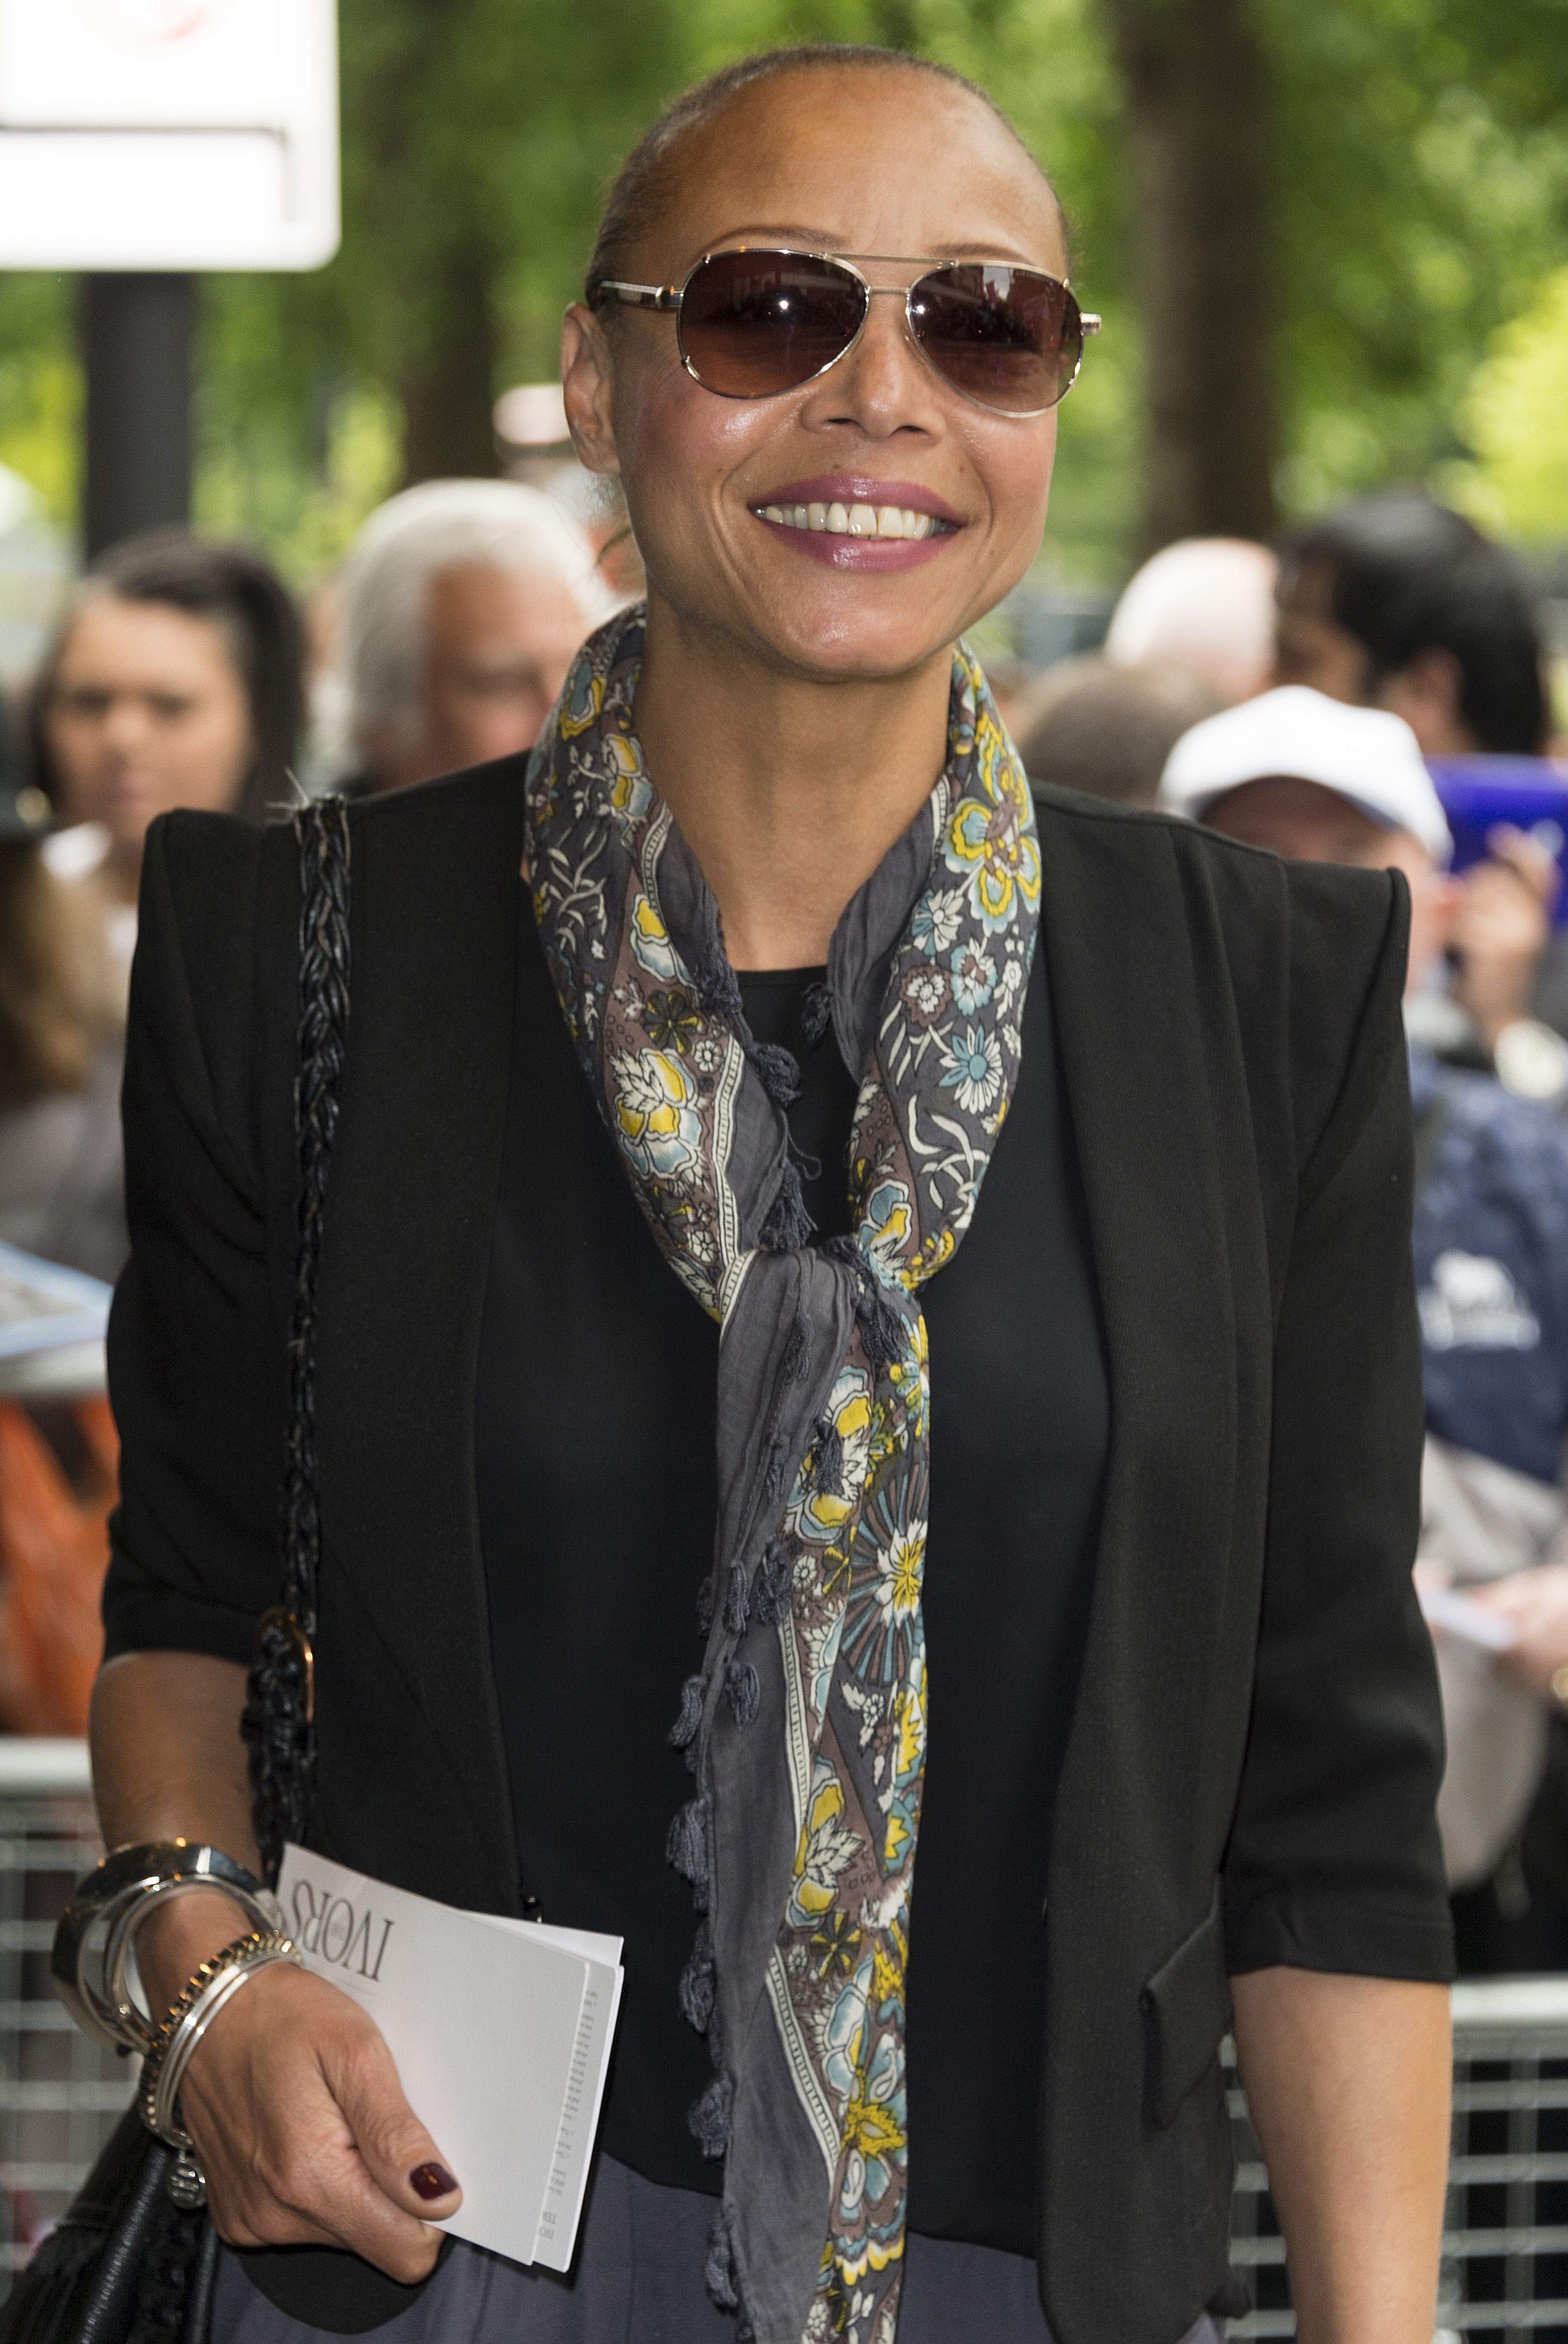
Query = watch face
x=148 y=24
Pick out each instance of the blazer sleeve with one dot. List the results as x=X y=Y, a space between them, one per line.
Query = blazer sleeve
x=197 y=1362
x=1335 y=1861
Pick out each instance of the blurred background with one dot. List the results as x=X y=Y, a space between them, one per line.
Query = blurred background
x=1331 y=244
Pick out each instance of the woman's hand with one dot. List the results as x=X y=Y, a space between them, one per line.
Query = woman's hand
x=291 y=2096
x=293 y=2101
x=1536 y=1602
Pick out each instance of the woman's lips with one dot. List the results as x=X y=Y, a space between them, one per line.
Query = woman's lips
x=860 y=524
x=861 y=552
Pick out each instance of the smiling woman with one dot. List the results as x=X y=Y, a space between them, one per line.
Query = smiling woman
x=1032 y=1415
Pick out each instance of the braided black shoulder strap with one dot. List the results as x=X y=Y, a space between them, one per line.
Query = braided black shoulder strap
x=281 y=1708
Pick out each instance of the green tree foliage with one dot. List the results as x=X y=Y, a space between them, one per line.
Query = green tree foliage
x=1515 y=415
x=40 y=389
x=1424 y=177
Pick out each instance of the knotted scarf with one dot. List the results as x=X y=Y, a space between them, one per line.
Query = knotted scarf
x=806 y=1727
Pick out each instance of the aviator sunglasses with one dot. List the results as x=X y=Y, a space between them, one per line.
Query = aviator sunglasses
x=751 y=323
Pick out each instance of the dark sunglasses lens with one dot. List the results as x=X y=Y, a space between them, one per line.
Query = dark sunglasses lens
x=1007 y=337
x=755 y=323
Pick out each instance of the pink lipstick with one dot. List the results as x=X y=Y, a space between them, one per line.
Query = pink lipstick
x=857 y=521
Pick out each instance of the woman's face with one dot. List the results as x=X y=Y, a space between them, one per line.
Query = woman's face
x=147 y=711
x=862 y=161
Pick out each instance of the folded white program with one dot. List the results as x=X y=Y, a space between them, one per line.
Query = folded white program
x=500 y=2031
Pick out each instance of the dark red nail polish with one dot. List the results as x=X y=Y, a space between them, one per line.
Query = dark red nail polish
x=432 y=2181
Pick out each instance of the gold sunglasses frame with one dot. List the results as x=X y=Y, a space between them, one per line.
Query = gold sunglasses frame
x=667 y=299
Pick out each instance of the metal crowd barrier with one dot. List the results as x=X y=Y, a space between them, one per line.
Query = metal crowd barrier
x=1505 y=2247
x=60 y=2094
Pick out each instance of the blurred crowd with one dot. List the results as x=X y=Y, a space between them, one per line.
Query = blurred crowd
x=1325 y=699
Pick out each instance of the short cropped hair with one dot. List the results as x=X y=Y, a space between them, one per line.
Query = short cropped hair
x=409 y=540
x=1405 y=576
x=644 y=186
x=1107 y=731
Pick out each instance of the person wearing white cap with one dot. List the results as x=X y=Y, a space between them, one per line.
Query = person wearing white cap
x=1323 y=780
x=1320 y=781
x=1316 y=780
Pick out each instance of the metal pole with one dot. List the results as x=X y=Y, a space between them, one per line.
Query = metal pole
x=136 y=342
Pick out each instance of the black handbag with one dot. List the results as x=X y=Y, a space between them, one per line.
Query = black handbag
x=126 y=2264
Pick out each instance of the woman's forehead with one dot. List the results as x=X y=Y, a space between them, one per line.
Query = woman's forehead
x=864 y=160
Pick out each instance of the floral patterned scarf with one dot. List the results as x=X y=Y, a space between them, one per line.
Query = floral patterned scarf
x=804 y=1728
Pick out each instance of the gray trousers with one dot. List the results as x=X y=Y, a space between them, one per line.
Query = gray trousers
x=638 y=2279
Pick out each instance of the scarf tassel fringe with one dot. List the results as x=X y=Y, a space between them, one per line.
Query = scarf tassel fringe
x=709 y=2118
x=719 y=2271
x=688 y=1847
x=789 y=1228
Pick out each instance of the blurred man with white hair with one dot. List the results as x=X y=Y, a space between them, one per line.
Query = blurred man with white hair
x=1319 y=780
x=464 y=603
x=1204 y=606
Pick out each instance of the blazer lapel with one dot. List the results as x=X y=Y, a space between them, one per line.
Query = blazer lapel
x=410 y=1214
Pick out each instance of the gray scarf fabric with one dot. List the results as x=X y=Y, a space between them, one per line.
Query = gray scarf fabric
x=806 y=1727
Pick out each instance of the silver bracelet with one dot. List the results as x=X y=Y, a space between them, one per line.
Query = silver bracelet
x=220 y=1973
x=97 y=1930
x=165 y=2119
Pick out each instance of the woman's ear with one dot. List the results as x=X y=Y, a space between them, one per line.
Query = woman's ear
x=585 y=388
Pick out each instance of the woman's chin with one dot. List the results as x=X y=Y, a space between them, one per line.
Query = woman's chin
x=862 y=636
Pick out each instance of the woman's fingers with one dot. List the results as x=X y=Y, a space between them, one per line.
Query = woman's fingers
x=398 y=2154
x=283 y=2154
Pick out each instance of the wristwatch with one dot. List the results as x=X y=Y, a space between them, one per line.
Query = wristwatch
x=97 y=1933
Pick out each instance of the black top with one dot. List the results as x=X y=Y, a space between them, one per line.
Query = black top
x=594 y=1455
x=1256 y=1741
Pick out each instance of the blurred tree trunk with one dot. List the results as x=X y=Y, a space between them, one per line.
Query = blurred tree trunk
x=446 y=378
x=423 y=195
x=1197 y=119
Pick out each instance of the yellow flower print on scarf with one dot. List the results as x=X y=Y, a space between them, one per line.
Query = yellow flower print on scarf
x=655 y=1112
x=650 y=940
x=583 y=704
x=631 y=792
x=820 y=1514
x=990 y=838
x=911 y=1379
x=825 y=1848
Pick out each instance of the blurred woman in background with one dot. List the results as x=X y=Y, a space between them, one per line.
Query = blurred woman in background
x=176 y=679
x=61 y=1181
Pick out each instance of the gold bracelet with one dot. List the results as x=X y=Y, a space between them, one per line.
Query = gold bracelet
x=243 y=1950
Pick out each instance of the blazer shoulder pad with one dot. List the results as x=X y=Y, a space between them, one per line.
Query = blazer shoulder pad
x=478 y=795
x=201 y=961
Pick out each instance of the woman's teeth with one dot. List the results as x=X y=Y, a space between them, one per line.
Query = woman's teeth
x=854 y=521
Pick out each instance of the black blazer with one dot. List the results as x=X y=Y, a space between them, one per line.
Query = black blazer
x=1257 y=1745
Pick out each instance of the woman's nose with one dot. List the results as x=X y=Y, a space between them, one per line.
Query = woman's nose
x=883 y=384
x=126 y=724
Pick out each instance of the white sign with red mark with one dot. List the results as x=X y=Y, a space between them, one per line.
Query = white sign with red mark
x=168 y=133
